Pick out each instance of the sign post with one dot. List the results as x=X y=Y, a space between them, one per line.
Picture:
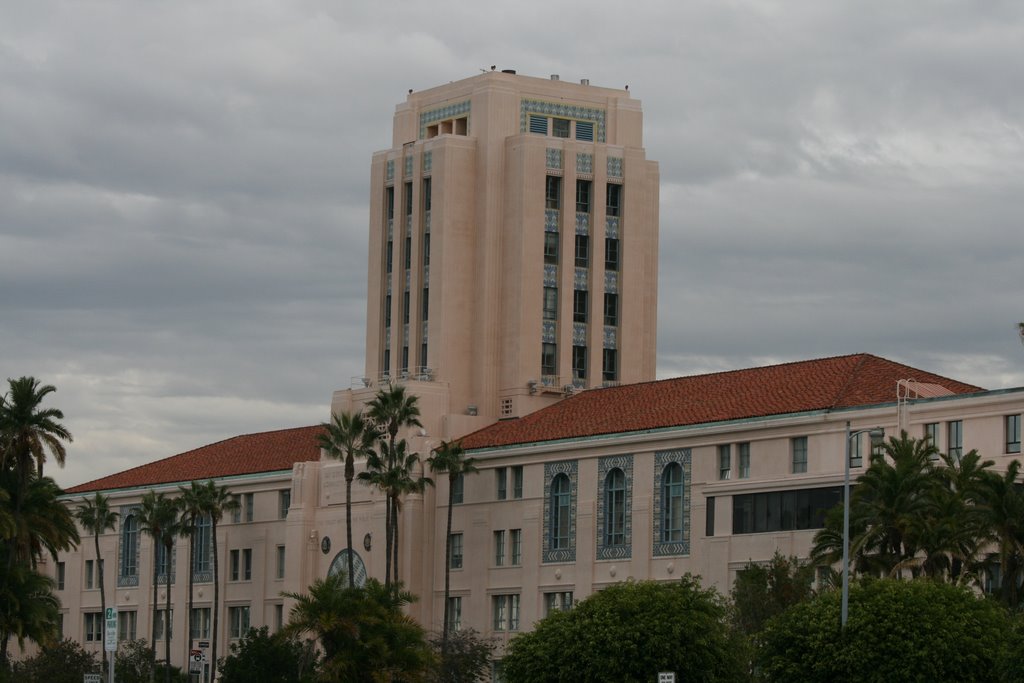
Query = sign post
x=110 y=638
x=666 y=677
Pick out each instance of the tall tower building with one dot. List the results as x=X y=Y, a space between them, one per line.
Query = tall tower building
x=513 y=249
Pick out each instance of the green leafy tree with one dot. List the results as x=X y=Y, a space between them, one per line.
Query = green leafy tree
x=63 y=662
x=277 y=658
x=29 y=610
x=1002 y=511
x=193 y=503
x=97 y=518
x=762 y=591
x=463 y=657
x=629 y=632
x=364 y=634
x=219 y=502
x=134 y=664
x=348 y=436
x=449 y=458
x=159 y=518
x=897 y=631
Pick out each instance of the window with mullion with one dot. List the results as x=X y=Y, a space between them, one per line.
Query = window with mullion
x=672 y=503
x=799 y=448
x=583 y=196
x=580 y=304
x=615 y=508
x=1013 y=433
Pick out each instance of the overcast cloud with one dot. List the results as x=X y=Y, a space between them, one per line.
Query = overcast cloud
x=183 y=189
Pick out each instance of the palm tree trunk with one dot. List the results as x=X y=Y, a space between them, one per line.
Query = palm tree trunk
x=394 y=543
x=167 y=615
x=447 y=577
x=349 y=476
x=216 y=597
x=387 y=539
x=103 y=591
x=191 y=582
x=152 y=645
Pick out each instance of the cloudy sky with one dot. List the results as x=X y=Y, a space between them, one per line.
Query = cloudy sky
x=184 y=186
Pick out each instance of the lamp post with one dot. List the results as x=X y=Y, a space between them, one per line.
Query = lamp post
x=877 y=437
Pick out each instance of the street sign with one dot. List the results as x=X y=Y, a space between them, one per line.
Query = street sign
x=92 y=678
x=195 y=661
x=666 y=677
x=110 y=641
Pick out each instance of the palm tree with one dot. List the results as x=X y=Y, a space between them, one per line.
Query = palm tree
x=449 y=457
x=28 y=607
x=159 y=519
x=218 y=502
x=1003 y=514
x=348 y=436
x=29 y=431
x=97 y=518
x=193 y=508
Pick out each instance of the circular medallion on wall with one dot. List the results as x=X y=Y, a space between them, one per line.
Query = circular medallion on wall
x=339 y=565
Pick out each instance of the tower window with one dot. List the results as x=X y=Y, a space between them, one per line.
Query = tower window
x=550 y=303
x=425 y=304
x=408 y=199
x=551 y=248
x=538 y=124
x=549 y=359
x=585 y=131
x=611 y=308
x=579 y=306
x=579 y=362
x=388 y=255
x=405 y=359
x=560 y=128
x=405 y=307
x=613 y=205
x=387 y=311
x=582 y=251
x=426 y=194
x=583 y=196
x=611 y=254
x=389 y=202
x=609 y=366
x=552 y=192
x=408 y=252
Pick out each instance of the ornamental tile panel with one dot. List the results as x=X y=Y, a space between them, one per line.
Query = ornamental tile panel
x=547 y=332
x=407 y=279
x=550 y=275
x=662 y=459
x=426 y=222
x=611 y=227
x=610 y=334
x=449 y=111
x=581 y=278
x=582 y=223
x=390 y=170
x=391 y=229
x=423 y=332
x=604 y=466
x=579 y=334
x=426 y=276
x=551 y=469
x=584 y=163
x=405 y=334
x=387 y=337
x=428 y=162
x=611 y=281
x=389 y=284
x=550 y=220
x=408 y=224
x=408 y=166
x=614 y=167
x=554 y=158
x=562 y=110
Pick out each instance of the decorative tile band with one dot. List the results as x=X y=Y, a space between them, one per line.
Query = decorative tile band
x=611 y=227
x=570 y=469
x=551 y=220
x=584 y=163
x=553 y=158
x=391 y=228
x=446 y=112
x=426 y=276
x=428 y=162
x=550 y=275
x=662 y=459
x=610 y=333
x=614 y=167
x=390 y=172
x=561 y=110
x=579 y=334
x=611 y=281
x=426 y=222
x=582 y=223
x=604 y=468
x=408 y=166
x=580 y=279
x=547 y=332
x=423 y=332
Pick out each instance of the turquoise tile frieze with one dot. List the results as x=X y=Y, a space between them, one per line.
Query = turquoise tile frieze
x=426 y=276
x=604 y=467
x=584 y=163
x=387 y=337
x=408 y=166
x=550 y=220
x=423 y=332
x=579 y=334
x=610 y=333
x=550 y=275
x=426 y=221
x=448 y=111
x=391 y=228
x=547 y=332
x=580 y=281
x=561 y=110
x=614 y=167
x=662 y=459
x=390 y=170
x=611 y=282
x=553 y=158
x=570 y=469
x=582 y=223
x=428 y=162
x=611 y=227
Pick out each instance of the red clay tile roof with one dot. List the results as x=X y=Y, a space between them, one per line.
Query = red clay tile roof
x=838 y=382
x=246 y=454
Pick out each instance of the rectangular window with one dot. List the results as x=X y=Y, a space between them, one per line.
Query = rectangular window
x=284 y=501
x=60 y=626
x=247 y=500
x=799 y=447
x=199 y=623
x=955 y=439
x=582 y=251
x=516 y=539
x=408 y=252
x=553 y=192
x=386 y=363
x=499 y=548
x=235 y=562
x=501 y=483
x=454 y=613
x=1013 y=433
x=247 y=564
x=611 y=254
x=505 y=610
x=389 y=202
x=585 y=131
x=458 y=490
x=744 y=455
x=405 y=359
x=456 y=559
x=783 y=510
x=551 y=303
x=548 y=359
x=725 y=461
x=405 y=307
x=551 y=248
x=160 y=624
x=579 y=362
x=579 y=305
x=387 y=311
x=517 y=481
x=613 y=205
x=557 y=602
x=931 y=432
x=583 y=196
x=127 y=622
x=278 y=617
x=560 y=128
x=94 y=627
x=408 y=199
x=857 y=451
x=89 y=574
x=426 y=194
x=709 y=517
x=423 y=355
x=538 y=124
x=60 y=576
x=609 y=365
x=425 y=305
x=279 y=564
x=238 y=621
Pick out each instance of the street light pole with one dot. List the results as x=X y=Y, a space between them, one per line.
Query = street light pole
x=877 y=436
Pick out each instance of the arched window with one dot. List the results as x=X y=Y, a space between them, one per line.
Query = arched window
x=129 y=545
x=672 y=503
x=202 y=548
x=561 y=500
x=615 y=508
